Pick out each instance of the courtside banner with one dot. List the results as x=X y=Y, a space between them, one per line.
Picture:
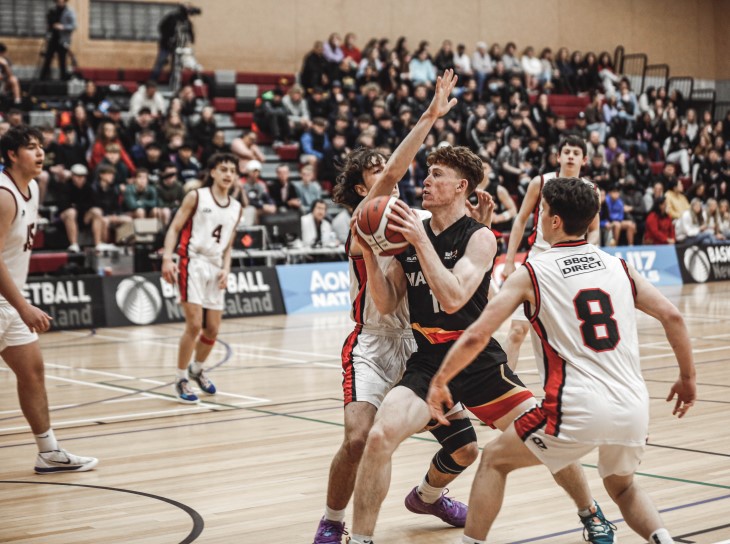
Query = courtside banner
x=74 y=302
x=658 y=264
x=700 y=264
x=144 y=299
x=317 y=287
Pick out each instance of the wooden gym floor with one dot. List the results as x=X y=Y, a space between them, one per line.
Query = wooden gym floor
x=250 y=465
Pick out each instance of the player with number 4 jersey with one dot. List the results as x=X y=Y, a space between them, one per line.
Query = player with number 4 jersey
x=203 y=231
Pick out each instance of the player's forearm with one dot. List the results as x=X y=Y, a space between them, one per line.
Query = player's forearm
x=170 y=242
x=402 y=157
x=444 y=285
x=461 y=355
x=381 y=290
x=678 y=337
x=515 y=238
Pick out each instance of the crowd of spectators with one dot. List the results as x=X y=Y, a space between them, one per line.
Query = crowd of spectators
x=102 y=171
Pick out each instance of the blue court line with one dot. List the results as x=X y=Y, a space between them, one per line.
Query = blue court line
x=620 y=520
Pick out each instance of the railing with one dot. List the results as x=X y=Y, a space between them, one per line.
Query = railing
x=655 y=75
x=684 y=84
x=703 y=100
x=633 y=67
x=721 y=110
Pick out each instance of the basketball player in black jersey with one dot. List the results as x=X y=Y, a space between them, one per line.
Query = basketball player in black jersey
x=445 y=273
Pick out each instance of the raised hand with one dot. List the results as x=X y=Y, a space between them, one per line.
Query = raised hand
x=441 y=104
x=483 y=210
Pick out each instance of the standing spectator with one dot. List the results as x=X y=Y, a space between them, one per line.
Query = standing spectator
x=140 y=200
x=308 y=188
x=282 y=190
x=244 y=147
x=167 y=43
x=659 y=226
x=148 y=96
x=332 y=51
x=314 y=68
x=618 y=222
x=61 y=22
x=9 y=84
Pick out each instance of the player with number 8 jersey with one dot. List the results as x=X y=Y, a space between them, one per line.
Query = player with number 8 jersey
x=203 y=230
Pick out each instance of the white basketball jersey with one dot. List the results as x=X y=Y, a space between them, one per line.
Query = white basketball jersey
x=586 y=321
x=209 y=228
x=363 y=310
x=19 y=239
x=538 y=242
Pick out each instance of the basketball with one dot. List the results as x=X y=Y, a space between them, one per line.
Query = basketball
x=372 y=226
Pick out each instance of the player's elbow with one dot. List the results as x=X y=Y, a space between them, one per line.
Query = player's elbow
x=672 y=317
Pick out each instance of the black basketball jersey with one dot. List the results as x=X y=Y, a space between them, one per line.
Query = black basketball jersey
x=434 y=329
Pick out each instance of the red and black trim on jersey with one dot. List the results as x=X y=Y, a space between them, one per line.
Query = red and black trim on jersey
x=361 y=277
x=30 y=192
x=536 y=288
x=631 y=280
x=531 y=421
x=571 y=243
x=555 y=373
x=187 y=231
x=183 y=277
x=536 y=215
x=348 y=368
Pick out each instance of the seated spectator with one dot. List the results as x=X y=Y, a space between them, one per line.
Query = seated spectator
x=315 y=142
x=533 y=155
x=659 y=226
x=245 y=148
x=318 y=104
x=316 y=230
x=422 y=70
x=677 y=203
x=617 y=170
x=308 y=189
x=217 y=144
x=143 y=121
x=532 y=68
x=613 y=150
x=113 y=157
x=148 y=96
x=140 y=199
x=170 y=193
x=203 y=131
x=152 y=161
x=652 y=194
x=74 y=203
x=444 y=59
x=677 y=148
x=341 y=225
x=297 y=110
x=11 y=84
x=70 y=151
x=513 y=170
x=640 y=168
x=107 y=134
x=314 y=71
x=714 y=219
x=511 y=63
x=598 y=172
x=334 y=157
x=692 y=228
x=187 y=165
x=282 y=190
x=609 y=79
x=255 y=190
x=617 y=220
x=106 y=199
x=594 y=144
x=724 y=209
x=505 y=208
x=272 y=117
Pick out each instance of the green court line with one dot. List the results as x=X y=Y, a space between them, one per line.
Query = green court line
x=412 y=437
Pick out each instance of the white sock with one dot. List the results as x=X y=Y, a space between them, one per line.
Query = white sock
x=469 y=540
x=361 y=539
x=46 y=441
x=197 y=367
x=592 y=510
x=181 y=374
x=661 y=536
x=334 y=515
x=428 y=493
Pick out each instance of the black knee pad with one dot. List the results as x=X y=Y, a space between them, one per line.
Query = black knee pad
x=457 y=435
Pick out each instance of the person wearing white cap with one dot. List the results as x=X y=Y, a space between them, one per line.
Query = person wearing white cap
x=255 y=190
x=75 y=202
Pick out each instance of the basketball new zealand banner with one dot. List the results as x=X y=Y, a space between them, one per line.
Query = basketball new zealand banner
x=143 y=299
x=74 y=302
x=700 y=264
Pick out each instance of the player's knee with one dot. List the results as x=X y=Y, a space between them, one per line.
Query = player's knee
x=466 y=455
x=354 y=446
x=617 y=485
x=193 y=326
x=493 y=458
x=381 y=439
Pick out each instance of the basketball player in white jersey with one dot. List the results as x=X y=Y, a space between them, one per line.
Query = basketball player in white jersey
x=374 y=354
x=202 y=231
x=582 y=304
x=571 y=158
x=19 y=321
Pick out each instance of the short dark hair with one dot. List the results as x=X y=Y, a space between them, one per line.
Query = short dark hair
x=17 y=137
x=574 y=200
x=351 y=174
x=463 y=160
x=573 y=141
x=215 y=160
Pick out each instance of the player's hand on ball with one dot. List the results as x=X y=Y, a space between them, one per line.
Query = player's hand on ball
x=406 y=221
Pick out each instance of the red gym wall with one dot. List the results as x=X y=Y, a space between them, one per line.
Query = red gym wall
x=692 y=36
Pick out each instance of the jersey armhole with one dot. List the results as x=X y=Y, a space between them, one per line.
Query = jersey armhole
x=536 y=289
x=631 y=280
x=15 y=201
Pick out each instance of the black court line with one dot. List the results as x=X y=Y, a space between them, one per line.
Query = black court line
x=655 y=380
x=683 y=538
x=198 y=522
x=691 y=450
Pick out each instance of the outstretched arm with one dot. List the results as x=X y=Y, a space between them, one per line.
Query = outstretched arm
x=532 y=199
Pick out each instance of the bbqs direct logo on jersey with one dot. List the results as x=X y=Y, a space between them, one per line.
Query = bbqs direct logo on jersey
x=139 y=300
x=580 y=264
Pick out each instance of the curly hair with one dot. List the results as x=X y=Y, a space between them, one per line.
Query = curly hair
x=574 y=201
x=351 y=174
x=463 y=161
